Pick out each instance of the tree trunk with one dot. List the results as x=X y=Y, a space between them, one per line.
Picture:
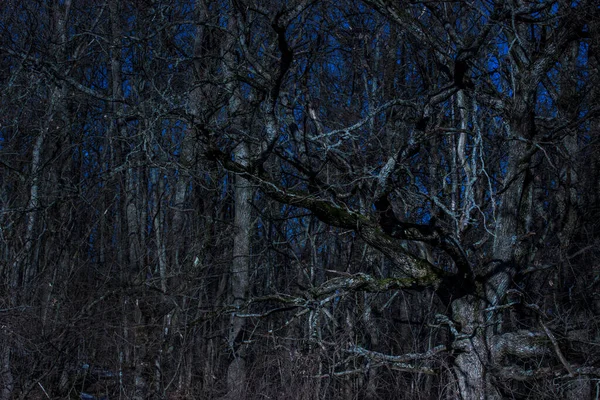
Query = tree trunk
x=6 y=378
x=476 y=354
x=236 y=373
x=472 y=362
x=239 y=272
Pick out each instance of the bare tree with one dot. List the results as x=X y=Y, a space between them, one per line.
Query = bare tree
x=240 y=199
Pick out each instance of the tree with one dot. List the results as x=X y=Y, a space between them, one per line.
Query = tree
x=492 y=186
x=299 y=199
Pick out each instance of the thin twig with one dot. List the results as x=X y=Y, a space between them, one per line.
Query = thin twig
x=44 y=390
x=559 y=353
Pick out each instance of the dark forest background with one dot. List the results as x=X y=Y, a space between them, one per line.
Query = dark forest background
x=244 y=199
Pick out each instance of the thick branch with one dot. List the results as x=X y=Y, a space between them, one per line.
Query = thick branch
x=521 y=344
x=374 y=355
x=429 y=234
x=364 y=283
x=419 y=271
x=522 y=374
x=287 y=56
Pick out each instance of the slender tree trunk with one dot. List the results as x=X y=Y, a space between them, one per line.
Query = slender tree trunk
x=133 y=217
x=236 y=373
x=240 y=266
x=6 y=378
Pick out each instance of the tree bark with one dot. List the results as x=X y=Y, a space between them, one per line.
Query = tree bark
x=240 y=265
